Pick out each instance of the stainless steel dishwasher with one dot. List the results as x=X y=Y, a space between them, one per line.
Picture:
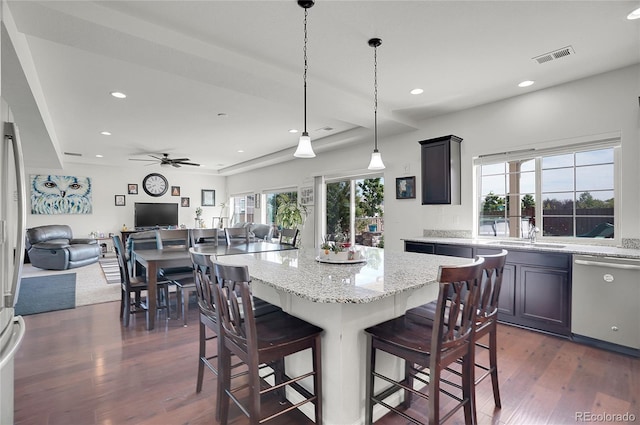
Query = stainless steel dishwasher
x=605 y=304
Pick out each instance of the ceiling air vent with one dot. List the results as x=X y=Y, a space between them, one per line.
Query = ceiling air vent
x=556 y=54
x=73 y=154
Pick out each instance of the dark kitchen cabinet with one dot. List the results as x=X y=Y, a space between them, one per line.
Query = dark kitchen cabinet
x=440 y=163
x=536 y=286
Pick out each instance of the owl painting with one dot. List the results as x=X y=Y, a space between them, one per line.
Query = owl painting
x=60 y=194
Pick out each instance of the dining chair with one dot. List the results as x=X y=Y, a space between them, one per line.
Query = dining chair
x=428 y=347
x=203 y=237
x=235 y=235
x=135 y=285
x=261 y=341
x=288 y=236
x=137 y=241
x=180 y=277
x=486 y=317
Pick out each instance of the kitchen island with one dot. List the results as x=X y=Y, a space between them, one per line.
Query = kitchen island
x=344 y=299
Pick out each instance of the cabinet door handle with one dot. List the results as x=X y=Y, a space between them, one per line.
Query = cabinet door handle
x=610 y=265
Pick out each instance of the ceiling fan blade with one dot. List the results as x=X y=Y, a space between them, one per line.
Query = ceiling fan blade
x=158 y=158
x=176 y=165
x=178 y=159
x=190 y=163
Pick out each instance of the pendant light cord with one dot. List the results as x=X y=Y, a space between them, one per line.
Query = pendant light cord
x=375 y=99
x=305 y=70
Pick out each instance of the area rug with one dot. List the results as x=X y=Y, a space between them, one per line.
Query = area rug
x=110 y=269
x=46 y=293
x=91 y=284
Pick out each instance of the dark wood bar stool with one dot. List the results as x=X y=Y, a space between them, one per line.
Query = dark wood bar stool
x=486 y=317
x=257 y=341
x=428 y=347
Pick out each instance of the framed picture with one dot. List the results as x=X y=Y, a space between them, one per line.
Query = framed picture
x=133 y=188
x=120 y=200
x=306 y=195
x=208 y=198
x=184 y=202
x=175 y=190
x=406 y=187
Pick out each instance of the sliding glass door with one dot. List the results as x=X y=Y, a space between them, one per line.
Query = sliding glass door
x=354 y=210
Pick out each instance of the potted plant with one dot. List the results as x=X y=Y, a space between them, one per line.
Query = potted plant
x=199 y=220
x=290 y=214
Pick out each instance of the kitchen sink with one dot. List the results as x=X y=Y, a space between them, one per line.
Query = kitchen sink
x=527 y=244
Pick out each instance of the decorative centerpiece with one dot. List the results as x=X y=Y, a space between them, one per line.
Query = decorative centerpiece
x=332 y=251
x=338 y=251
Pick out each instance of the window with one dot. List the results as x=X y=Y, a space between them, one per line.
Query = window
x=566 y=193
x=242 y=209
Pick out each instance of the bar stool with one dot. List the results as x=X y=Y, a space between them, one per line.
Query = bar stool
x=258 y=341
x=486 y=317
x=429 y=347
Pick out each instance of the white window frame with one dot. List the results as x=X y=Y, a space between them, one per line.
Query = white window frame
x=537 y=153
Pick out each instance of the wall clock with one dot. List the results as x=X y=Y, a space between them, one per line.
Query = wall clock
x=155 y=184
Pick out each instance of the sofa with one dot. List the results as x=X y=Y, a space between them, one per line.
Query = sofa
x=256 y=230
x=53 y=247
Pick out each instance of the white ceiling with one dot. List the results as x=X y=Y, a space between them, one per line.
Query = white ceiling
x=182 y=63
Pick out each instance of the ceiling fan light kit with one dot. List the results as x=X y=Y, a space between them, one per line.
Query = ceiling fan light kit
x=165 y=161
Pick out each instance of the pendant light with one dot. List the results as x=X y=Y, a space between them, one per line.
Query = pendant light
x=304 y=144
x=376 y=158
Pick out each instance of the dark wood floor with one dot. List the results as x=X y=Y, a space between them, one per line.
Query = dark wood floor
x=80 y=367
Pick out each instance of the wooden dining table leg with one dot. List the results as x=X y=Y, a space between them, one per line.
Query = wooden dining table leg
x=152 y=289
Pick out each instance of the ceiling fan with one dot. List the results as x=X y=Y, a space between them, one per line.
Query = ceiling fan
x=166 y=161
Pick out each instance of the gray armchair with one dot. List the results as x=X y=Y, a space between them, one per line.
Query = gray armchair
x=53 y=247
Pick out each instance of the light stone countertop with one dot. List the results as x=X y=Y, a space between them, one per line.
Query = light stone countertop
x=384 y=274
x=521 y=244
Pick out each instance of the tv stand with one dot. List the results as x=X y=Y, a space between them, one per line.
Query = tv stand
x=125 y=235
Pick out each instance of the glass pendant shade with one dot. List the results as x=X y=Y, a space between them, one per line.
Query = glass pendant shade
x=376 y=161
x=304 y=147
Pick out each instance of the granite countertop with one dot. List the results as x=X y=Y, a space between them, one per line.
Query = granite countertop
x=384 y=274
x=522 y=244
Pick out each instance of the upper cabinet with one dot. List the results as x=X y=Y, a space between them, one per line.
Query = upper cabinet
x=441 y=170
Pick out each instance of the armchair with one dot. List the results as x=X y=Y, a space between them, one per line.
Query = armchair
x=53 y=247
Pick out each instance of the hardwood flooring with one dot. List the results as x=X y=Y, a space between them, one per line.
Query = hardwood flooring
x=81 y=367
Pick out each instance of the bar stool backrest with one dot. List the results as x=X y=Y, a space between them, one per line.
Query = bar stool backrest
x=456 y=306
x=490 y=286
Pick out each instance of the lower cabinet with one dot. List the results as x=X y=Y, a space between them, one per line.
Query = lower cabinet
x=536 y=286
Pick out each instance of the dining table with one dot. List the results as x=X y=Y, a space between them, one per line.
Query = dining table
x=344 y=297
x=154 y=260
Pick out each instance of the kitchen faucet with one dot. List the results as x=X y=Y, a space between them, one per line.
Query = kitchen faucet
x=532 y=233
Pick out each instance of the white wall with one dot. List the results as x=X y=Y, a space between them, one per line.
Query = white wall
x=607 y=103
x=110 y=181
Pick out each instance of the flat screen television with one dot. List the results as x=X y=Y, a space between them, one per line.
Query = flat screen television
x=150 y=215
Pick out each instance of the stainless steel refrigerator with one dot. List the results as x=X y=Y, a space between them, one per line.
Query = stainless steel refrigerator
x=12 y=245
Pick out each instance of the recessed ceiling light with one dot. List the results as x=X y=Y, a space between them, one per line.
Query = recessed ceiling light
x=634 y=15
x=240 y=151
x=118 y=94
x=105 y=133
x=526 y=83
x=293 y=130
x=99 y=156
x=416 y=91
